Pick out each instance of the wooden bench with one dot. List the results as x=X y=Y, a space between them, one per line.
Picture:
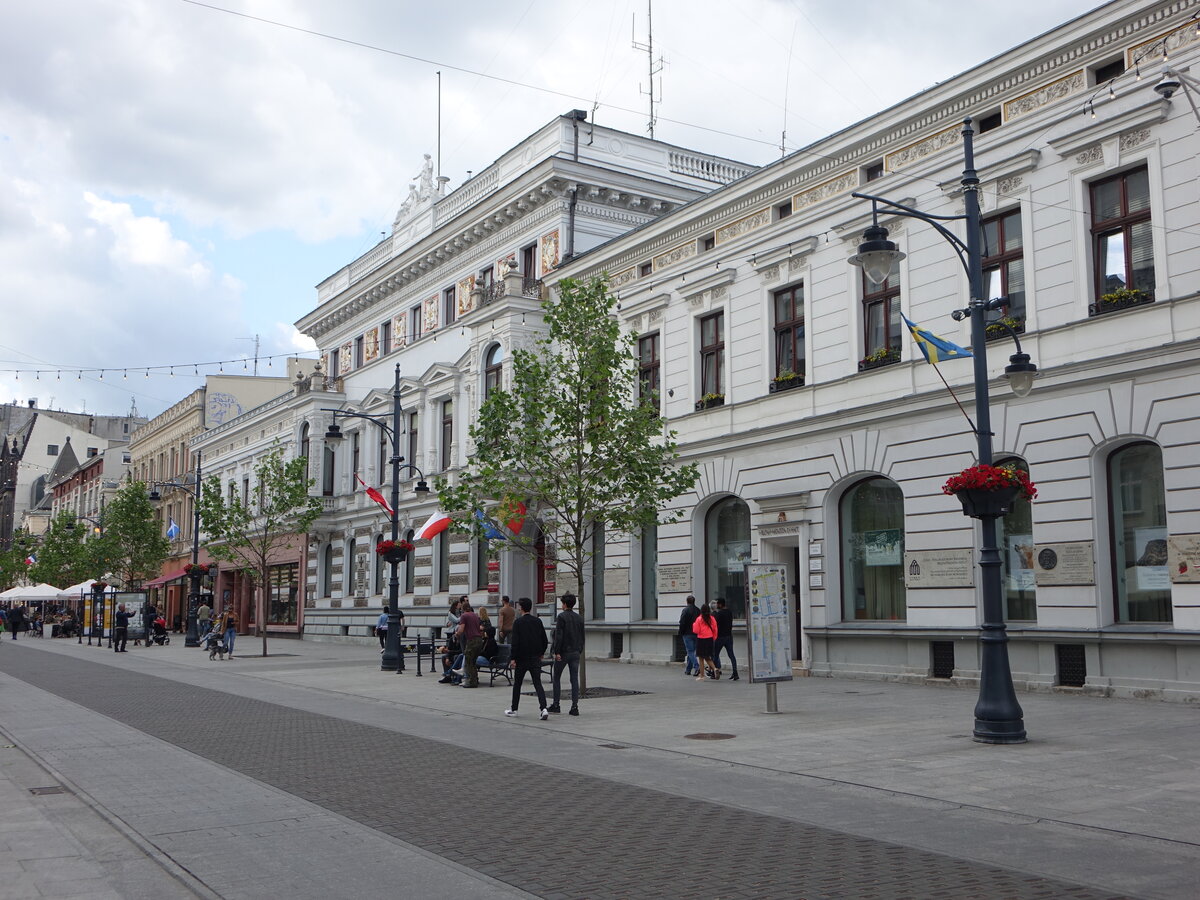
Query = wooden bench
x=498 y=667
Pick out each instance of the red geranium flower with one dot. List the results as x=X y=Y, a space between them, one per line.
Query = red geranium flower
x=990 y=478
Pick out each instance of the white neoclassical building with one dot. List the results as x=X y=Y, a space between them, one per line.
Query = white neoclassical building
x=823 y=437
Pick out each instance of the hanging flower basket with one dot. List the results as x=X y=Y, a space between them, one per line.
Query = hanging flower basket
x=196 y=569
x=99 y=587
x=989 y=491
x=393 y=551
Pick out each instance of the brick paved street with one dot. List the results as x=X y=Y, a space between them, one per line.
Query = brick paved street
x=555 y=832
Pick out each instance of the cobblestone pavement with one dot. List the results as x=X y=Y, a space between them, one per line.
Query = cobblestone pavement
x=610 y=839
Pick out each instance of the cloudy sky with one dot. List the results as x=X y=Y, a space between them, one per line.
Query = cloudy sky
x=177 y=176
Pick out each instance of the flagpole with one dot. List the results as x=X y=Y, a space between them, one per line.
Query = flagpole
x=955 y=396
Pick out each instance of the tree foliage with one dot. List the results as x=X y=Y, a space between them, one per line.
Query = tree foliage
x=571 y=439
x=64 y=557
x=251 y=533
x=13 y=570
x=132 y=547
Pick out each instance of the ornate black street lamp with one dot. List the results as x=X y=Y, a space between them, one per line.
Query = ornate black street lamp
x=192 y=638
x=998 y=716
x=391 y=652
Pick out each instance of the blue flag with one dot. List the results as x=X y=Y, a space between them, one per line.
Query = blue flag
x=935 y=348
x=490 y=531
x=172 y=530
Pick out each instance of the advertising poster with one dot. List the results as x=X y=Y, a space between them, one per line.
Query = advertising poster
x=882 y=548
x=768 y=622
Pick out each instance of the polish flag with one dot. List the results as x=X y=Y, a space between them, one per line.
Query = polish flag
x=434 y=525
x=517 y=520
x=375 y=495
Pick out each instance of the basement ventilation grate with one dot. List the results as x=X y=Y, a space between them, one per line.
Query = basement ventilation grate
x=41 y=791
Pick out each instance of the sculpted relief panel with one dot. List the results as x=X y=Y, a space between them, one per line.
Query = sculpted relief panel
x=1049 y=93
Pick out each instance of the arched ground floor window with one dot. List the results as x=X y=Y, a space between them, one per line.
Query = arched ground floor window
x=871 y=522
x=726 y=551
x=1138 y=507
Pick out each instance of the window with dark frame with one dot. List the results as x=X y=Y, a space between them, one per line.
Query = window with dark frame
x=382 y=472
x=481 y=565
x=443 y=561
x=414 y=443
x=1004 y=262
x=447 y=433
x=873 y=171
x=386 y=343
x=334 y=364
x=789 y=331
x=529 y=261
x=649 y=369
x=414 y=324
x=712 y=354
x=1122 y=233
x=707 y=243
x=410 y=565
x=1108 y=71
x=355 y=452
x=881 y=316
x=783 y=210
x=990 y=122
x=645 y=269
x=493 y=370
x=358 y=352
x=449 y=306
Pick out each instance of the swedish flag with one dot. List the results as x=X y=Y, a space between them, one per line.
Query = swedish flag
x=935 y=348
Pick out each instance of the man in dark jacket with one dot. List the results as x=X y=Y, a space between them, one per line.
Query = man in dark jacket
x=16 y=620
x=470 y=638
x=528 y=646
x=567 y=648
x=686 y=618
x=724 y=639
x=120 y=629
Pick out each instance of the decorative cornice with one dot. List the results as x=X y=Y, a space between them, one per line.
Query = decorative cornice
x=796 y=249
x=1151 y=111
x=717 y=279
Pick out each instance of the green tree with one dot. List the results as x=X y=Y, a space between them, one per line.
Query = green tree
x=13 y=570
x=63 y=558
x=132 y=547
x=251 y=534
x=571 y=439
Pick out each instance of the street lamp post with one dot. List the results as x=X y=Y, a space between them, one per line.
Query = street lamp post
x=391 y=661
x=192 y=638
x=998 y=715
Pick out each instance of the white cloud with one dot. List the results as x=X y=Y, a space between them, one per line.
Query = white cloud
x=145 y=240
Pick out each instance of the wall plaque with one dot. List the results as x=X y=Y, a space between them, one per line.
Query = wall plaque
x=1060 y=564
x=1183 y=558
x=939 y=569
x=779 y=530
x=675 y=579
x=616 y=581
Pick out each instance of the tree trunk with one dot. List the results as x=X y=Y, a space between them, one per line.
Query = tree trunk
x=261 y=609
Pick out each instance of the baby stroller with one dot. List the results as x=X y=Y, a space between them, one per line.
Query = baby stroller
x=214 y=643
x=158 y=633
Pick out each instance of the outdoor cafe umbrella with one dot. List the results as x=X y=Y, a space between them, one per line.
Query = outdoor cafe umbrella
x=75 y=591
x=37 y=593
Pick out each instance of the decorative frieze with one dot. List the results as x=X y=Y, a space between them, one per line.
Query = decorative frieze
x=676 y=254
x=1092 y=154
x=1131 y=139
x=1147 y=53
x=1006 y=186
x=548 y=251
x=923 y=148
x=622 y=278
x=742 y=226
x=842 y=184
x=462 y=295
x=1044 y=95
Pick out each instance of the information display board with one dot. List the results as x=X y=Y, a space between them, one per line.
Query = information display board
x=768 y=622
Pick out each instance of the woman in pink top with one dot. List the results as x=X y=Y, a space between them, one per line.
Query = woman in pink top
x=705 y=628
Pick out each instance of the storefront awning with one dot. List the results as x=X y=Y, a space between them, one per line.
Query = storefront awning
x=163 y=579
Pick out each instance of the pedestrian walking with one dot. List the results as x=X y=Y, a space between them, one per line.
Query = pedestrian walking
x=705 y=628
x=724 y=617
x=229 y=626
x=528 y=646
x=686 y=618
x=203 y=620
x=470 y=638
x=120 y=629
x=567 y=649
x=16 y=620
x=381 y=630
x=508 y=615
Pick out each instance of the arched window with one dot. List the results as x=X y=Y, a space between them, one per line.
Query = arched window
x=871 y=520
x=1014 y=537
x=348 y=569
x=327 y=574
x=327 y=466
x=493 y=369
x=382 y=568
x=410 y=565
x=726 y=550
x=1137 y=499
x=304 y=446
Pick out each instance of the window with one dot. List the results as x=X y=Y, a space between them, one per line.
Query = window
x=1122 y=239
x=881 y=315
x=873 y=171
x=246 y=491
x=381 y=569
x=707 y=243
x=442 y=546
x=990 y=121
x=414 y=324
x=645 y=269
x=447 y=433
x=597 y=585
x=484 y=281
x=529 y=261
x=355 y=452
x=385 y=331
x=648 y=549
x=334 y=364
x=493 y=370
x=304 y=446
x=1108 y=71
x=410 y=575
x=649 y=369
x=1004 y=262
x=348 y=569
x=449 y=306
x=92 y=451
x=327 y=574
x=712 y=354
x=327 y=465
x=789 y=332
x=52 y=449
x=382 y=473
x=358 y=352
x=1138 y=503
x=871 y=519
x=1014 y=537
x=414 y=443
x=481 y=566
x=283 y=588
x=783 y=210
x=727 y=550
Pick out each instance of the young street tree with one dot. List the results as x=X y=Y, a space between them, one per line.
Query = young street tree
x=63 y=558
x=571 y=439
x=132 y=547
x=251 y=534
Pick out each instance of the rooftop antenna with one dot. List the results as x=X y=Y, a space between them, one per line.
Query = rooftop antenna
x=787 y=84
x=257 y=341
x=439 y=127
x=655 y=65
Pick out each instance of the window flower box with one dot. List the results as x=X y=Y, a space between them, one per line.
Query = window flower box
x=988 y=492
x=785 y=381
x=1120 y=299
x=708 y=401
x=996 y=331
x=884 y=356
